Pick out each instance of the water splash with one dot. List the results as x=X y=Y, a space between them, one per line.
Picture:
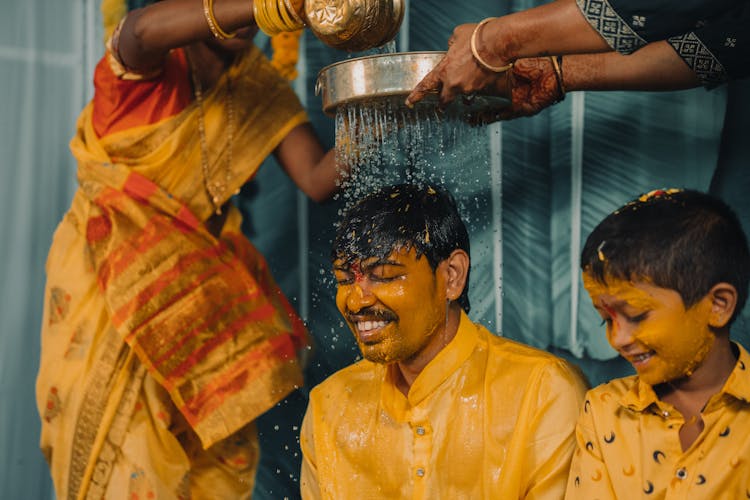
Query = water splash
x=385 y=143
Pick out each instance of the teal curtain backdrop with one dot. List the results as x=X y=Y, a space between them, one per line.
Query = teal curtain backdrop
x=531 y=192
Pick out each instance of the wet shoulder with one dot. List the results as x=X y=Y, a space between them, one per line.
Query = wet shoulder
x=512 y=363
x=362 y=377
x=520 y=356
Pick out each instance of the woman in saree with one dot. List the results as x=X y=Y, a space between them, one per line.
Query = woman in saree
x=164 y=334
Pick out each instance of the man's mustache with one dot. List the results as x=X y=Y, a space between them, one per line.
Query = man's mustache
x=371 y=313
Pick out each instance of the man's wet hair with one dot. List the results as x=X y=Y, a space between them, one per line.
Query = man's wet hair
x=403 y=216
x=683 y=240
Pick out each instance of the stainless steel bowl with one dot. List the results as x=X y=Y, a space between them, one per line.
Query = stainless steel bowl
x=391 y=77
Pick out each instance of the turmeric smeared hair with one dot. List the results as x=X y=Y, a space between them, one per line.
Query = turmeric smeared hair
x=684 y=240
x=405 y=216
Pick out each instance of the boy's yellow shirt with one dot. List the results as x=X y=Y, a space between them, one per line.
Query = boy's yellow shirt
x=628 y=444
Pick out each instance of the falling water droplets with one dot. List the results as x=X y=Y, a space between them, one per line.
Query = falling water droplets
x=385 y=143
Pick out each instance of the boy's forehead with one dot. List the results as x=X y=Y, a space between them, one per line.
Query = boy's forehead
x=617 y=291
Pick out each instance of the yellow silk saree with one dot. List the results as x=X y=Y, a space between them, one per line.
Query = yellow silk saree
x=162 y=343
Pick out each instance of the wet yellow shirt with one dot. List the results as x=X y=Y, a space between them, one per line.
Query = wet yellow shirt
x=628 y=444
x=488 y=418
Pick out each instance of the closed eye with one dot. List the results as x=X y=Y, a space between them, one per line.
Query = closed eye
x=343 y=277
x=637 y=319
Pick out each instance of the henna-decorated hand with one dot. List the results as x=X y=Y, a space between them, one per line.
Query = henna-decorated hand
x=533 y=87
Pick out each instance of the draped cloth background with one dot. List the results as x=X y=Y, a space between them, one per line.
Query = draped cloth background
x=548 y=180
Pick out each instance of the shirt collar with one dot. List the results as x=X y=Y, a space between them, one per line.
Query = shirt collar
x=437 y=371
x=738 y=383
x=641 y=395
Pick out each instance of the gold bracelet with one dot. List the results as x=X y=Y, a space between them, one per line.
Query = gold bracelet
x=482 y=62
x=208 y=13
x=286 y=17
x=268 y=23
x=295 y=15
x=557 y=66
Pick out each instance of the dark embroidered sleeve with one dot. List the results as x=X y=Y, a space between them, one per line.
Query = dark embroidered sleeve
x=710 y=35
x=627 y=25
x=720 y=50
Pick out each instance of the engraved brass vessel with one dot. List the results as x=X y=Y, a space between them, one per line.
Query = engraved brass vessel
x=354 y=25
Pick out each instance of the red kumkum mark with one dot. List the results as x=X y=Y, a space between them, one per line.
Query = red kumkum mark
x=611 y=312
x=358 y=276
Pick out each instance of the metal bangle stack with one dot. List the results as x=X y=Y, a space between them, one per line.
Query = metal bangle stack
x=278 y=16
x=352 y=25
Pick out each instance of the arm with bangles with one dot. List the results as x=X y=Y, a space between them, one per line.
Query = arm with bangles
x=533 y=85
x=554 y=28
x=478 y=54
x=148 y=34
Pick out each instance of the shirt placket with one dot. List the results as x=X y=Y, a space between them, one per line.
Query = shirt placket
x=685 y=469
x=422 y=437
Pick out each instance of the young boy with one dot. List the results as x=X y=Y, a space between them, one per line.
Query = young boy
x=668 y=273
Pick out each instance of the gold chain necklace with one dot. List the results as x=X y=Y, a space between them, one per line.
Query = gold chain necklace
x=215 y=190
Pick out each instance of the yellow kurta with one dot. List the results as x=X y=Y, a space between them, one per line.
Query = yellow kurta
x=628 y=444
x=161 y=343
x=488 y=418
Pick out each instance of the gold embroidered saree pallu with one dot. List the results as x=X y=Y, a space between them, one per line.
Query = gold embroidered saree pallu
x=203 y=315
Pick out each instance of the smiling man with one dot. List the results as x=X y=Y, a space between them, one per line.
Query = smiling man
x=439 y=407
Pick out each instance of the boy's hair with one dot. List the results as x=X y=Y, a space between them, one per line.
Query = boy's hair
x=406 y=216
x=684 y=240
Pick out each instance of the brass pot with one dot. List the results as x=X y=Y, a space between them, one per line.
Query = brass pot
x=354 y=25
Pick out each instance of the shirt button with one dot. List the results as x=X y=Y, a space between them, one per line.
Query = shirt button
x=420 y=472
x=420 y=431
x=681 y=473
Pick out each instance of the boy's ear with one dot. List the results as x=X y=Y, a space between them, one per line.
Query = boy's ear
x=456 y=270
x=723 y=297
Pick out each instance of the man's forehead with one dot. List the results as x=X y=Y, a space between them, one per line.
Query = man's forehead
x=395 y=256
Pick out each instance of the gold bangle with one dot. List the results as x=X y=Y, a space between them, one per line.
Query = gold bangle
x=482 y=62
x=557 y=66
x=216 y=31
x=268 y=23
x=295 y=15
x=259 y=12
x=288 y=21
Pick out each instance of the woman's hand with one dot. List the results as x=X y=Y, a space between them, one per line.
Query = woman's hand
x=458 y=72
x=533 y=88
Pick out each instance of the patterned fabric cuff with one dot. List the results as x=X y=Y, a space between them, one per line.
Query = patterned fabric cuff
x=615 y=31
x=700 y=59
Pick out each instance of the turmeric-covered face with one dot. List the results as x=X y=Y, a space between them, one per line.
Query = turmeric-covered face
x=394 y=306
x=650 y=327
